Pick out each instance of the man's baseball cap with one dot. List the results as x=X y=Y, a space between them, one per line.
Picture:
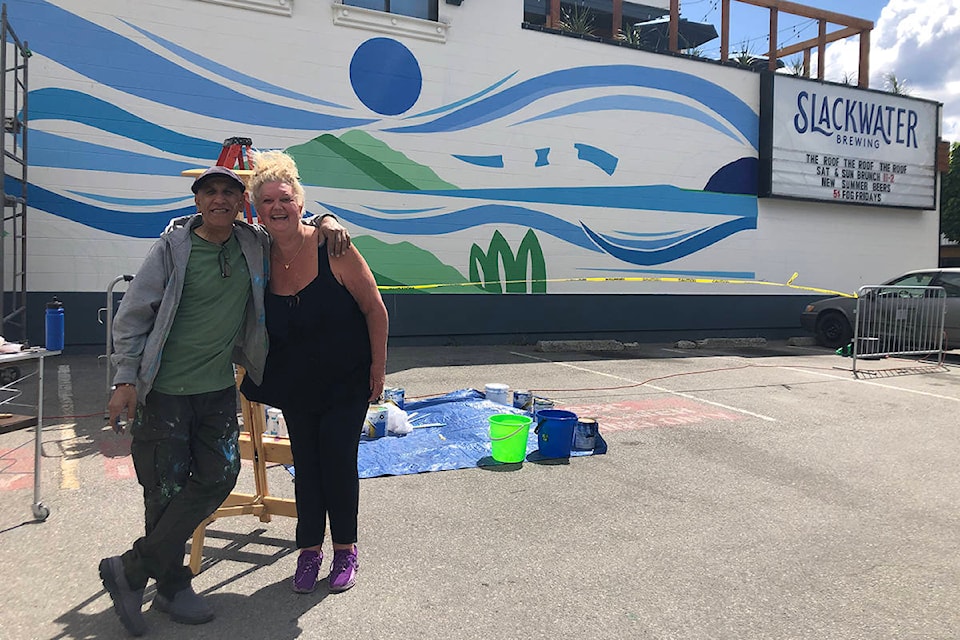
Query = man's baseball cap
x=214 y=172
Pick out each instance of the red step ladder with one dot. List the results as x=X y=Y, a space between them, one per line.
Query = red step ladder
x=235 y=154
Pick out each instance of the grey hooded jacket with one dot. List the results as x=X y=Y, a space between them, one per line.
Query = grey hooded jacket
x=150 y=304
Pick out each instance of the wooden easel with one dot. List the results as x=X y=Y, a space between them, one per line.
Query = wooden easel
x=259 y=503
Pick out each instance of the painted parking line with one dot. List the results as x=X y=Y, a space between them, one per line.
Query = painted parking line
x=16 y=468
x=655 y=412
x=850 y=378
x=69 y=477
x=678 y=394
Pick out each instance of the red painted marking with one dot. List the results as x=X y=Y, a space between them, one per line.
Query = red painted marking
x=16 y=468
x=643 y=414
x=117 y=463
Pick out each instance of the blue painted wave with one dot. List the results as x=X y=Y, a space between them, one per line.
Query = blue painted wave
x=405 y=211
x=136 y=202
x=637 y=103
x=126 y=223
x=112 y=60
x=716 y=98
x=51 y=150
x=673 y=252
x=741 y=275
x=659 y=234
x=597 y=157
x=64 y=104
x=467 y=219
x=495 y=162
x=228 y=73
x=664 y=240
x=647 y=197
x=454 y=105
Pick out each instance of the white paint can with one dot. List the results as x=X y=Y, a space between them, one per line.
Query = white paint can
x=497 y=392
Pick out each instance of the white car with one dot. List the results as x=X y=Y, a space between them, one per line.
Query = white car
x=831 y=319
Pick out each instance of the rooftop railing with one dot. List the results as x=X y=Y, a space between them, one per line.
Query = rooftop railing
x=850 y=26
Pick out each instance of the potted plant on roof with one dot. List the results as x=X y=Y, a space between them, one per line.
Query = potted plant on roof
x=577 y=19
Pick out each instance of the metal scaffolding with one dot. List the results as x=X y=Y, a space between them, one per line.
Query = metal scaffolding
x=14 y=56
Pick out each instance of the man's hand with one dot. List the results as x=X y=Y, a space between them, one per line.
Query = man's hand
x=336 y=235
x=123 y=401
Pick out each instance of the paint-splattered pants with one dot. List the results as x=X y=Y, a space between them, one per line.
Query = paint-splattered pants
x=187 y=459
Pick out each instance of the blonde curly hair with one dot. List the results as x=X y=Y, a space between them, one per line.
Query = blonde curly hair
x=274 y=166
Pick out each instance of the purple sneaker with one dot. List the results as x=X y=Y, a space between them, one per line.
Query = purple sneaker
x=343 y=573
x=308 y=567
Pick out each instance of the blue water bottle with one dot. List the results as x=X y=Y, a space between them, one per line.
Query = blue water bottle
x=54 y=322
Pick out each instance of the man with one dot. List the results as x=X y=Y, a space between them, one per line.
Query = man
x=195 y=307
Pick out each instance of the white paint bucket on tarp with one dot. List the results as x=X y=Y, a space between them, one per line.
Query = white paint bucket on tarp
x=498 y=392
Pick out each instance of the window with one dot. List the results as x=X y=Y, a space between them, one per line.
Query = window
x=405 y=18
x=423 y=9
x=592 y=17
x=950 y=283
x=279 y=7
x=914 y=280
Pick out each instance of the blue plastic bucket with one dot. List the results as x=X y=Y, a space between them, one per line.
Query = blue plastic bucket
x=555 y=432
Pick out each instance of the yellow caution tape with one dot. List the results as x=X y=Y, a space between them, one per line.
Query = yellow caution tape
x=789 y=283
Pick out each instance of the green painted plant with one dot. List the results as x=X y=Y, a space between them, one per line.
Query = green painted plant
x=514 y=267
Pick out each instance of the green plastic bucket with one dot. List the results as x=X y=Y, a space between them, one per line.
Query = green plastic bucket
x=508 y=437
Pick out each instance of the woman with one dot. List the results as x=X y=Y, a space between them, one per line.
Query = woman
x=328 y=330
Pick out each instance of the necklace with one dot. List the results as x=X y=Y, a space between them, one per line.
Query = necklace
x=286 y=264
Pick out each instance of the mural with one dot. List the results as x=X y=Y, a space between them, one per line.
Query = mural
x=535 y=176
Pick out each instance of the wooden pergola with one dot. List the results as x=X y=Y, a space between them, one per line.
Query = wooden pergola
x=850 y=27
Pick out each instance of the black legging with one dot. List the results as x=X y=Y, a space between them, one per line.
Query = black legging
x=324 y=446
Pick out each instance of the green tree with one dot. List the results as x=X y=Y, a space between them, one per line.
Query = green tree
x=950 y=197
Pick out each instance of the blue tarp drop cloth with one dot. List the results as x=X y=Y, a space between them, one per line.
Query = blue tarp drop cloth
x=462 y=442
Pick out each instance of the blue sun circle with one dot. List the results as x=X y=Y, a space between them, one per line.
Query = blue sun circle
x=386 y=76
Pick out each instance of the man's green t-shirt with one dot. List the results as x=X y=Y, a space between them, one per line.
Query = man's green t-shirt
x=197 y=355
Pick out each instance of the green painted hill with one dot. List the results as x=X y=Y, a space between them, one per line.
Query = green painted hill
x=357 y=160
x=406 y=264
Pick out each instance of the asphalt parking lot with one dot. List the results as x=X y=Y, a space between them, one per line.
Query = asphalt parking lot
x=748 y=493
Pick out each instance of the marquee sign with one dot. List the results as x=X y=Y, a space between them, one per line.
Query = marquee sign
x=847 y=145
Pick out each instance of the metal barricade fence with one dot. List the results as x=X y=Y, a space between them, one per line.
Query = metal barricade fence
x=899 y=320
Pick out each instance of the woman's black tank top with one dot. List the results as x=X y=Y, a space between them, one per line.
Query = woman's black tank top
x=319 y=345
